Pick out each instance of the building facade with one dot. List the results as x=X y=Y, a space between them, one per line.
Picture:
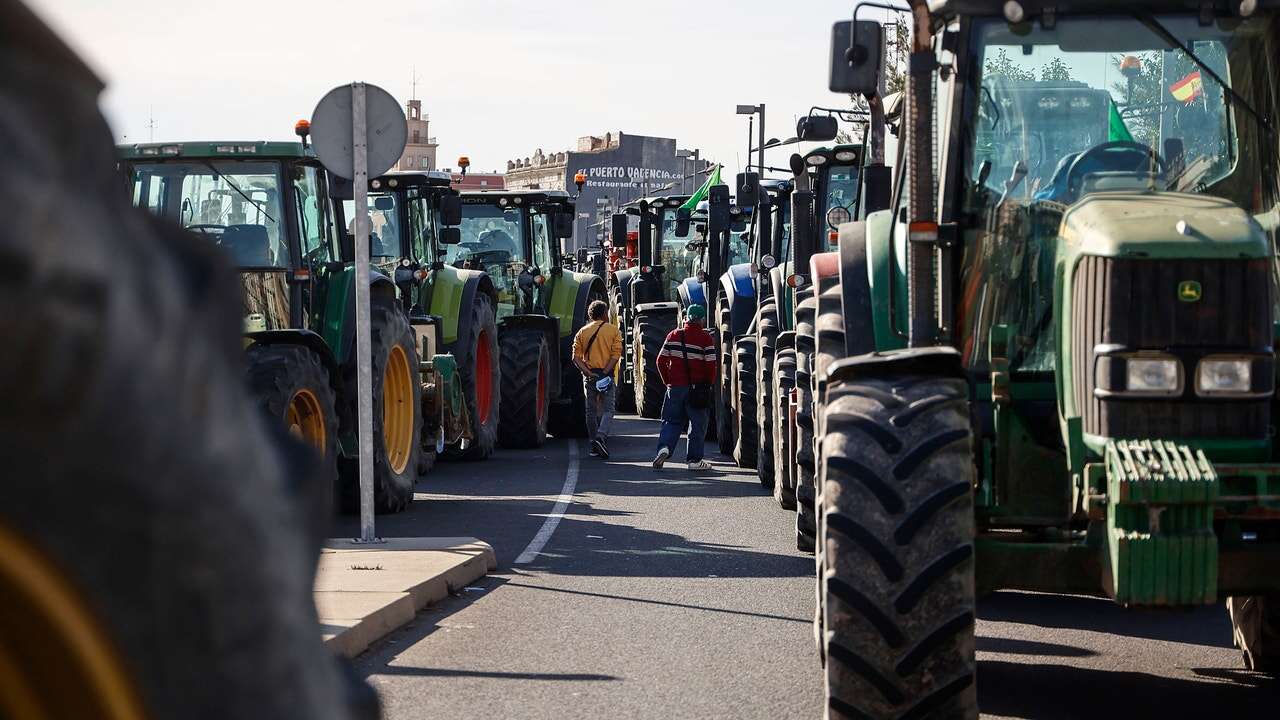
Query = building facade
x=619 y=168
x=420 y=150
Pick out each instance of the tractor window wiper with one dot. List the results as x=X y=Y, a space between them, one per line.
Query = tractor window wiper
x=235 y=187
x=1156 y=27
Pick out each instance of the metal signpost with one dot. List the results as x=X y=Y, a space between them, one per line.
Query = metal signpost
x=359 y=131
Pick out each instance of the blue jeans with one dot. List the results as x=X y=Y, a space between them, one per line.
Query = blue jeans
x=676 y=416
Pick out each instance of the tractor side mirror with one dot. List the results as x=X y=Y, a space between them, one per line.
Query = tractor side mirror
x=817 y=128
x=748 y=185
x=451 y=210
x=562 y=225
x=683 y=216
x=855 y=57
x=618 y=230
x=450 y=236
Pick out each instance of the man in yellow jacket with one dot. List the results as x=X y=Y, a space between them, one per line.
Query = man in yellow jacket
x=597 y=348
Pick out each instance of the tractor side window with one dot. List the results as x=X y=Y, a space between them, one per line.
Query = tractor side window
x=424 y=225
x=313 y=228
x=542 y=257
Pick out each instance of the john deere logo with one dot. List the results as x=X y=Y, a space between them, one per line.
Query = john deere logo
x=1189 y=291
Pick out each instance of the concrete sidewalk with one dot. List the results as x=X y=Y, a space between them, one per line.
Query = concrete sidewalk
x=364 y=592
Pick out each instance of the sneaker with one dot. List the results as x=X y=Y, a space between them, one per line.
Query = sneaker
x=663 y=454
x=593 y=452
x=700 y=465
x=598 y=448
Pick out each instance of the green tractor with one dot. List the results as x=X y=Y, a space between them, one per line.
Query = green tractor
x=414 y=218
x=271 y=207
x=514 y=236
x=644 y=301
x=1056 y=369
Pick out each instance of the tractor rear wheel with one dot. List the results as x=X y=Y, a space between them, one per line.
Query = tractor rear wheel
x=650 y=334
x=766 y=411
x=784 y=379
x=803 y=464
x=397 y=414
x=897 y=554
x=1255 y=628
x=626 y=398
x=480 y=373
x=747 y=448
x=292 y=386
x=526 y=366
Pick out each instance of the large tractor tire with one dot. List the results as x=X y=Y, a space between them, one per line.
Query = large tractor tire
x=650 y=334
x=784 y=379
x=480 y=371
x=746 y=449
x=397 y=414
x=829 y=329
x=626 y=398
x=525 y=362
x=1255 y=628
x=293 y=387
x=766 y=343
x=897 y=554
x=803 y=465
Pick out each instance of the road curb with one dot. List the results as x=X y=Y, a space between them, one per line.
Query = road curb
x=364 y=592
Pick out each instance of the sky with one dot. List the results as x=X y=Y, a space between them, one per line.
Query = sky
x=497 y=79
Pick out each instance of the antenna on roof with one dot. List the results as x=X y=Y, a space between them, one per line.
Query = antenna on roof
x=413 y=81
x=151 y=122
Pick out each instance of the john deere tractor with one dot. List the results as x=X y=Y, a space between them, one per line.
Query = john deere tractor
x=1057 y=370
x=271 y=207
x=514 y=236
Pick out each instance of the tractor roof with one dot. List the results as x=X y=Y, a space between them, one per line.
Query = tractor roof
x=433 y=178
x=515 y=197
x=1033 y=8
x=238 y=149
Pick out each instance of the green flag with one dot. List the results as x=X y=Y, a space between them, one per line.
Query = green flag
x=692 y=203
x=1116 y=129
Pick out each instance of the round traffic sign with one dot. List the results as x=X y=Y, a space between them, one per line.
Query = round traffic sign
x=332 y=133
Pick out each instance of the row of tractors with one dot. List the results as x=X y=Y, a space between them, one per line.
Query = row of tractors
x=1062 y=381
x=473 y=310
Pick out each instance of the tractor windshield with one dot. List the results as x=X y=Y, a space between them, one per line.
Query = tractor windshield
x=236 y=204
x=490 y=235
x=677 y=258
x=840 y=197
x=1099 y=104
x=384 y=226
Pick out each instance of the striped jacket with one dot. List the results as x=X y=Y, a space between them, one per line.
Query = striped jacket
x=701 y=351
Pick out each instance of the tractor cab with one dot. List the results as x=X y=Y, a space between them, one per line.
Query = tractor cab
x=514 y=236
x=265 y=204
x=837 y=188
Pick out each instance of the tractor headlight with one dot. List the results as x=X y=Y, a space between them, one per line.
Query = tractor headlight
x=1224 y=376
x=1153 y=376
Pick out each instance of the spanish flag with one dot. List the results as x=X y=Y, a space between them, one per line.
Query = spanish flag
x=1188 y=88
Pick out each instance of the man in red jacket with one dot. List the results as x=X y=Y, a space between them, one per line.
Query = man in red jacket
x=687 y=365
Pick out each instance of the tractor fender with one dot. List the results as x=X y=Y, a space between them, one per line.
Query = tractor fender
x=740 y=295
x=936 y=361
x=657 y=307
x=453 y=293
x=340 y=328
x=548 y=326
x=693 y=292
x=855 y=291
x=623 y=280
x=309 y=339
x=782 y=295
x=886 y=279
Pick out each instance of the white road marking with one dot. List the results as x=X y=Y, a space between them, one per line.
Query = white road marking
x=539 y=541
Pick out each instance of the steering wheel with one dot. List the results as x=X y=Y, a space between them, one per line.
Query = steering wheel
x=205 y=228
x=1075 y=175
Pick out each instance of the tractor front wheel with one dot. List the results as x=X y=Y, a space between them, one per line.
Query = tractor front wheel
x=746 y=450
x=1255 y=628
x=784 y=379
x=480 y=371
x=292 y=386
x=896 y=554
x=526 y=367
x=650 y=335
x=397 y=414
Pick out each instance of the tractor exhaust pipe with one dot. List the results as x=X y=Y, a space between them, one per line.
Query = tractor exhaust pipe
x=922 y=230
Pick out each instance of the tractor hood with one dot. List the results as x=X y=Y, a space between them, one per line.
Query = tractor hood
x=1161 y=225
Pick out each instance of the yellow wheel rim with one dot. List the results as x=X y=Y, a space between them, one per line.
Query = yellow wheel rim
x=55 y=661
x=397 y=409
x=305 y=420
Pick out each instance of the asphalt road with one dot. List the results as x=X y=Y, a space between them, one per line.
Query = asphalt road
x=679 y=595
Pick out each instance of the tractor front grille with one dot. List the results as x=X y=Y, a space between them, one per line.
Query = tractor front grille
x=1134 y=304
